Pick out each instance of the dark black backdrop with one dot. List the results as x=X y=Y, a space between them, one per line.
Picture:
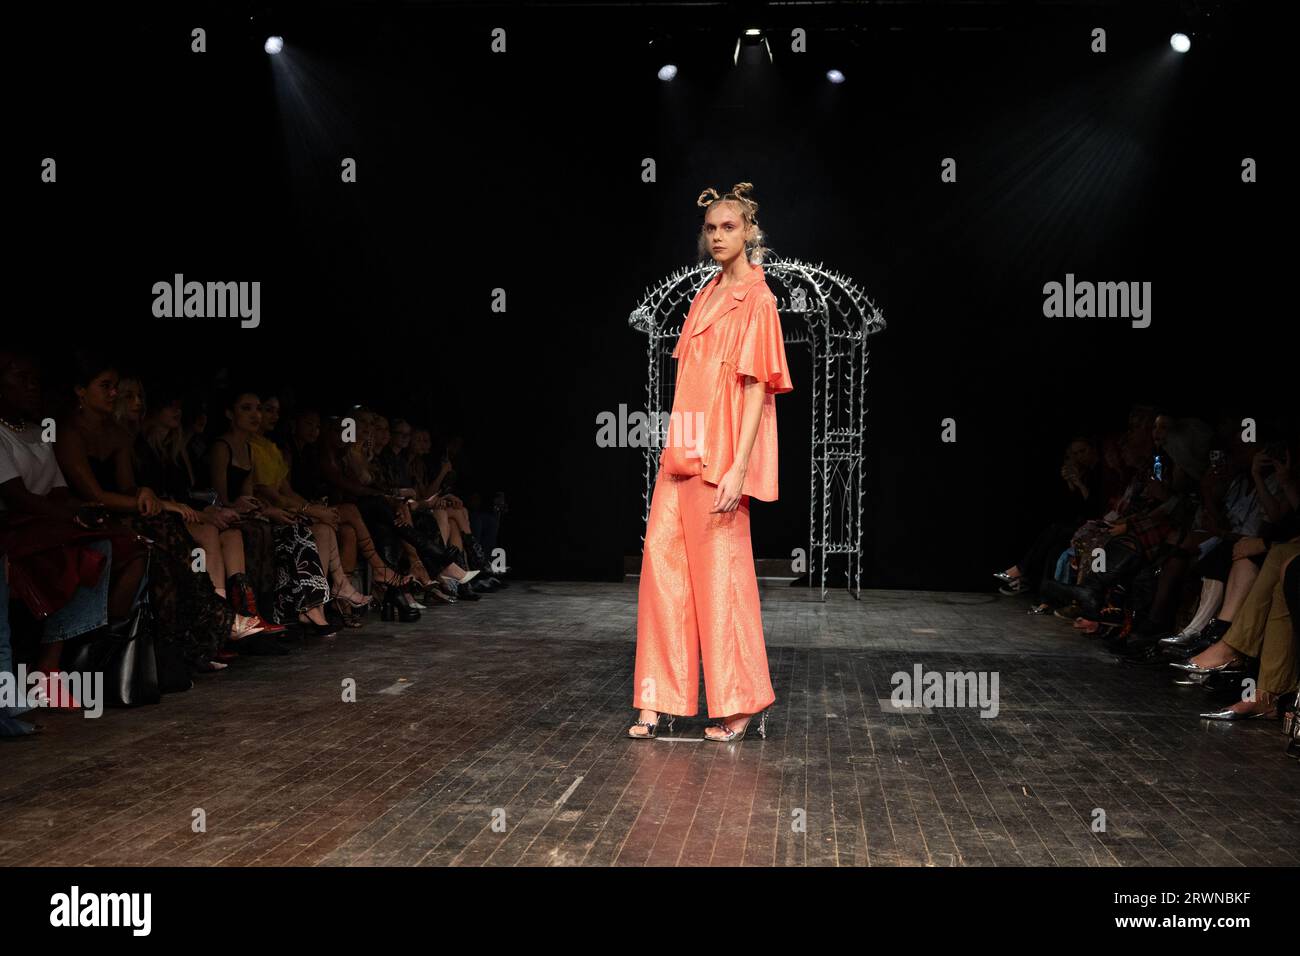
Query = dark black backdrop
x=523 y=171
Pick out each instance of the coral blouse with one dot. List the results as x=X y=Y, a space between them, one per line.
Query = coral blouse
x=739 y=334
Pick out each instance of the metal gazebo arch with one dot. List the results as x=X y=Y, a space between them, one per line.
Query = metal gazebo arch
x=834 y=317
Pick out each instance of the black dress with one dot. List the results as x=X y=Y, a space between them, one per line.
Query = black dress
x=300 y=582
x=168 y=478
x=191 y=616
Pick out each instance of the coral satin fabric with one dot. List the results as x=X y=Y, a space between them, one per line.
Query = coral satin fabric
x=698 y=599
x=726 y=336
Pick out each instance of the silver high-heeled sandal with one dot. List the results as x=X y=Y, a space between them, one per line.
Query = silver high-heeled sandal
x=651 y=726
x=735 y=736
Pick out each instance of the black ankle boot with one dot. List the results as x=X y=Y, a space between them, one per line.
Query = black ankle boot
x=456 y=556
x=474 y=554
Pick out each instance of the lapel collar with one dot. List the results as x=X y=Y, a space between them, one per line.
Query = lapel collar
x=734 y=296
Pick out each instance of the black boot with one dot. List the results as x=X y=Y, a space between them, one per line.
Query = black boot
x=1121 y=563
x=474 y=554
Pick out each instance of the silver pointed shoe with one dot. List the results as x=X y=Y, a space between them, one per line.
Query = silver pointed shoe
x=1234 y=666
x=1180 y=640
x=1229 y=714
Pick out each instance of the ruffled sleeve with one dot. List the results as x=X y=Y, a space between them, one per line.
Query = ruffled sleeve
x=762 y=348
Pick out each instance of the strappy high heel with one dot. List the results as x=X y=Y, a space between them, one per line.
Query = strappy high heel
x=735 y=736
x=651 y=726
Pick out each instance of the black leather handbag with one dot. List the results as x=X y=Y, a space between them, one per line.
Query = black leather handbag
x=125 y=654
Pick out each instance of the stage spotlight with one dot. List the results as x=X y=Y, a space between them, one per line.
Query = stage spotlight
x=667 y=72
x=1180 y=42
x=835 y=76
x=273 y=44
x=751 y=37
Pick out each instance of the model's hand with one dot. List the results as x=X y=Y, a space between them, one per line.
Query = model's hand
x=278 y=515
x=188 y=514
x=147 y=503
x=727 y=497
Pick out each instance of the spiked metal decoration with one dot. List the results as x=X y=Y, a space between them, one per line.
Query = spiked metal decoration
x=834 y=317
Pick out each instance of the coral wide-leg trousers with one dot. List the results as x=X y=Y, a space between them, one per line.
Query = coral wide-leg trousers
x=698 y=598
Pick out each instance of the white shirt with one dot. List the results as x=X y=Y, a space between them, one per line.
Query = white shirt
x=23 y=455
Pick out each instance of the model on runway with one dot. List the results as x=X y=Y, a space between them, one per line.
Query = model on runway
x=698 y=596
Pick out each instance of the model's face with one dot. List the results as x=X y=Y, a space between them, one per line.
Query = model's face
x=99 y=394
x=724 y=231
x=270 y=413
x=1160 y=429
x=1082 y=454
x=246 y=415
x=20 y=388
x=131 y=397
x=401 y=436
x=379 y=433
x=169 y=416
x=421 y=443
x=308 y=429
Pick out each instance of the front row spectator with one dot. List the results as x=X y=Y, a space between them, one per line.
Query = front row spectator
x=1262 y=629
x=95 y=456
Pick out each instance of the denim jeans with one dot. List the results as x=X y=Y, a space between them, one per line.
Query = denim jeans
x=6 y=649
x=1063 y=573
x=88 y=608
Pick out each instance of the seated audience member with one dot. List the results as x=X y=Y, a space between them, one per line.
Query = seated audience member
x=1243 y=498
x=271 y=484
x=397 y=466
x=1079 y=499
x=1142 y=539
x=301 y=590
x=1264 y=630
x=73 y=575
x=161 y=462
x=304 y=456
x=95 y=456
